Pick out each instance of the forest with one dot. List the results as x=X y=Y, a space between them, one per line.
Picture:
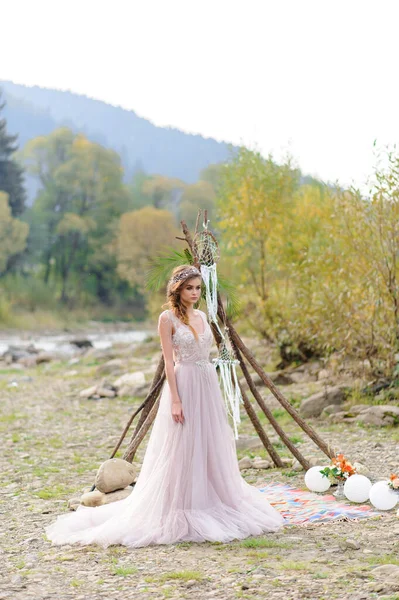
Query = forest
x=315 y=266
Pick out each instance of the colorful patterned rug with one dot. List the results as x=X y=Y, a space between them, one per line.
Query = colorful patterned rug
x=301 y=507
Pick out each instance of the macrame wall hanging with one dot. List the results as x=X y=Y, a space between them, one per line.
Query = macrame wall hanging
x=207 y=251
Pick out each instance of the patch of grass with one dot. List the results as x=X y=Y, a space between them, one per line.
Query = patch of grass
x=189 y=544
x=77 y=582
x=181 y=576
x=124 y=571
x=53 y=492
x=296 y=439
x=320 y=575
x=43 y=471
x=55 y=442
x=263 y=543
x=257 y=555
x=9 y=371
x=293 y=565
x=11 y=417
x=384 y=559
x=289 y=473
x=276 y=583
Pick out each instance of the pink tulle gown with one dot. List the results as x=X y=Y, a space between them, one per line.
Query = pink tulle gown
x=190 y=487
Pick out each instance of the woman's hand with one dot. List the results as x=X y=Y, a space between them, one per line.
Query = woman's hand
x=177 y=411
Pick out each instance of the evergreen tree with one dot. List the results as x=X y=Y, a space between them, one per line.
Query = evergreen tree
x=11 y=174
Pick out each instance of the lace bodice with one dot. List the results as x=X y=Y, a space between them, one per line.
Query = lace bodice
x=185 y=347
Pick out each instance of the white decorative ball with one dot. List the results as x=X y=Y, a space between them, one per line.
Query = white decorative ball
x=357 y=488
x=315 y=481
x=382 y=497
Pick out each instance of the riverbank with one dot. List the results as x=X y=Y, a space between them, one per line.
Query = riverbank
x=53 y=443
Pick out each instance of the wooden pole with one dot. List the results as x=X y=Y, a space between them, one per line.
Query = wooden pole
x=274 y=423
x=136 y=441
x=159 y=374
x=260 y=431
x=237 y=341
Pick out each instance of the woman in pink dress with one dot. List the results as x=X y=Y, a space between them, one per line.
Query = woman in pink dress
x=189 y=487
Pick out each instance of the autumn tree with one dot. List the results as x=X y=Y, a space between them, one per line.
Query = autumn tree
x=80 y=202
x=142 y=235
x=252 y=203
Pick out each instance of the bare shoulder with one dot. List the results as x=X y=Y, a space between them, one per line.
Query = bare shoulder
x=164 y=317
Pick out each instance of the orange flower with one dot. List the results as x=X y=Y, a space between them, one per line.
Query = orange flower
x=394 y=481
x=343 y=465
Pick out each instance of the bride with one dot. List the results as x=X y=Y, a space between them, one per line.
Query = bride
x=189 y=487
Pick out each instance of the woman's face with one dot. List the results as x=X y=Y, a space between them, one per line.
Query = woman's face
x=190 y=291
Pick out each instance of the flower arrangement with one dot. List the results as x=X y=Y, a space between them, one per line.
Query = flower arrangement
x=340 y=469
x=394 y=482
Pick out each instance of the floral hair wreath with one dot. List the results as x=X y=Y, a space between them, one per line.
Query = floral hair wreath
x=192 y=271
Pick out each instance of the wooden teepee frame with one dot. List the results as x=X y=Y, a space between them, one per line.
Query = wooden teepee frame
x=149 y=407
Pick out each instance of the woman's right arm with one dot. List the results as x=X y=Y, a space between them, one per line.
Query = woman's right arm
x=165 y=333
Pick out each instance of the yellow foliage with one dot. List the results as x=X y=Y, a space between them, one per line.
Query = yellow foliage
x=316 y=266
x=142 y=235
x=13 y=233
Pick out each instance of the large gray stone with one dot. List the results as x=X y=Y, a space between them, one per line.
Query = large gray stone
x=380 y=415
x=331 y=409
x=245 y=463
x=386 y=572
x=135 y=379
x=314 y=406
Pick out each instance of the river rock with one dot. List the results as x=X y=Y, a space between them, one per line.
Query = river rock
x=261 y=463
x=114 y=474
x=139 y=391
x=358 y=408
x=88 y=392
x=73 y=503
x=104 y=392
x=343 y=416
x=101 y=390
x=92 y=498
x=314 y=406
x=380 y=415
x=97 y=498
x=15 y=353
x=44 y=357
x=28 y=361
x=323 y=374
x=135 y=380
x=331 y=409
x=81 y=343
x=361 y=469
x=245 y=463
x=389 y=573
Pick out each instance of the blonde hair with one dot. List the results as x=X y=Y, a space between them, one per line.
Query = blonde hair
x=173 y=290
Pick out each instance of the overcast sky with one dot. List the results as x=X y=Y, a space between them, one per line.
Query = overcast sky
x=319 y=78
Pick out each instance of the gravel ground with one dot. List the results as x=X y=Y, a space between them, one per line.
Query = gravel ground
x=53 y=443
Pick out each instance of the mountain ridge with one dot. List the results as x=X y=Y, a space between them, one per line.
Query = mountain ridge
x=32 y=110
